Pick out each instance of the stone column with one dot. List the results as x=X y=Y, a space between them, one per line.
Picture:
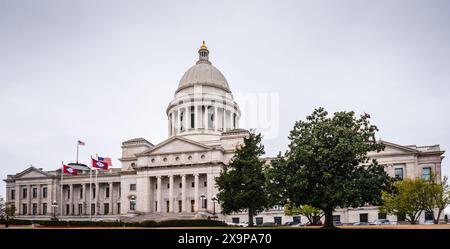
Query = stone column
x=186 y=118
x=183 y=193
x=29 y=199
x=216 y=118
x=205 y=118
x=71 y=212
x=170 y=193
x=196 y=206
x=97 y=199
x=17 y=198
x=85 y=203
x=111 y=197
x=209 y=190
x=143 y=201
x=50 y=199
x=172 y=121
x=39 y=200
x=158 y=194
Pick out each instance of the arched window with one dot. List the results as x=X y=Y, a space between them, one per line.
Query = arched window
x=211 y=117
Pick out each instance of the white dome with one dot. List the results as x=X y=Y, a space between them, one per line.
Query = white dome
x=203 y=74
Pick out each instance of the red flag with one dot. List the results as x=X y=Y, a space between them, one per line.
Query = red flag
x=99 y=164
x=81 y=143
x=69 y=170
x=106 y=160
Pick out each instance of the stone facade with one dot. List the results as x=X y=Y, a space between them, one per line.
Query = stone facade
x=176 y=178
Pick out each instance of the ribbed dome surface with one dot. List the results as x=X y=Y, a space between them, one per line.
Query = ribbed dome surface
x=203 y=74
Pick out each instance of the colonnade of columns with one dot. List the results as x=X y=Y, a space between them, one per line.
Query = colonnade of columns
x=210 y=117
x=150 y=198
x=90 y=200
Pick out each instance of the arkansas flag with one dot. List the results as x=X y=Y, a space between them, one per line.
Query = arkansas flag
x=69 y=170
x=99 y=164
x=106 y=160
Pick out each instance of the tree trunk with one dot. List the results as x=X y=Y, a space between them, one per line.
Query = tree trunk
x=328 y=218
x=436 y=220
x=250 y=217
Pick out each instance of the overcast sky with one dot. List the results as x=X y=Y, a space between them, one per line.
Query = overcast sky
x=105 y=71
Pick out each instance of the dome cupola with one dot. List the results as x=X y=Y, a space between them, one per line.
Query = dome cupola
x=203 y=107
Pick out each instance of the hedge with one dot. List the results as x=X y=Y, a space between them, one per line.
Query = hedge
x=147 y=223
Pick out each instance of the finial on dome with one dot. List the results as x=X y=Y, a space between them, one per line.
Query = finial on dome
x=204 y=45
x=203 y=54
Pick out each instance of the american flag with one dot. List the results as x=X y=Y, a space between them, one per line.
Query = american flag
x=81 y=143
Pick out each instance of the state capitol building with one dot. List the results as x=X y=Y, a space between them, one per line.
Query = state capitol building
x=175 y=179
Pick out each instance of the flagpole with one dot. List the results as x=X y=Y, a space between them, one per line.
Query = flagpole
x=90 y=192
x=62 y=185
x=96 y=194
x=78 y=145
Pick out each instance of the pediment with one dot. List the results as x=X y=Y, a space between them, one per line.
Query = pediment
x=392 y=148
x=176 y=145
x=31 y=172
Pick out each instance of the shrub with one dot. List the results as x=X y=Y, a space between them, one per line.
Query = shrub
x=191 y=223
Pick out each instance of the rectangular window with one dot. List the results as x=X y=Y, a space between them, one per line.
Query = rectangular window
x=180 y=205
x=80 y=209
x=81 y=193
x=277 y=220
x=132 y=205
x=259 y=220
x=68 y=193
x=34 y=195
x=192 y=206
x=204 y=203
x=93 y=191
x=106 y=208
x=235 y=220
x=336 y=218
x=118 y=207
x=24 y=209
x=44 y=208
x=297 y=219
x=107 y=192
x=363 y=217
x=67 y=209
x=92 y=208
x=24 y=193
x=398 y=173
x=156 y=206
x=193 y=184
x=13 y=194
x=132 y=187
x=34 y=210
x=167 y=206
x=44 y=192
x=181 y=185
x=156 y=186
x=204 y=184
x=382 y=216
x=426 y=173
x=168 y=185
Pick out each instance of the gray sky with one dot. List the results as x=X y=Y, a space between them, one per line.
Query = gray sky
x=104 y=71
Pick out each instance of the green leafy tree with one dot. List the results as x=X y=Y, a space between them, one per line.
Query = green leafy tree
x=326 y=165
x=242 y=183
x=311 y=213
x=408 y=198
x=6 y=211
x=436 y=195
